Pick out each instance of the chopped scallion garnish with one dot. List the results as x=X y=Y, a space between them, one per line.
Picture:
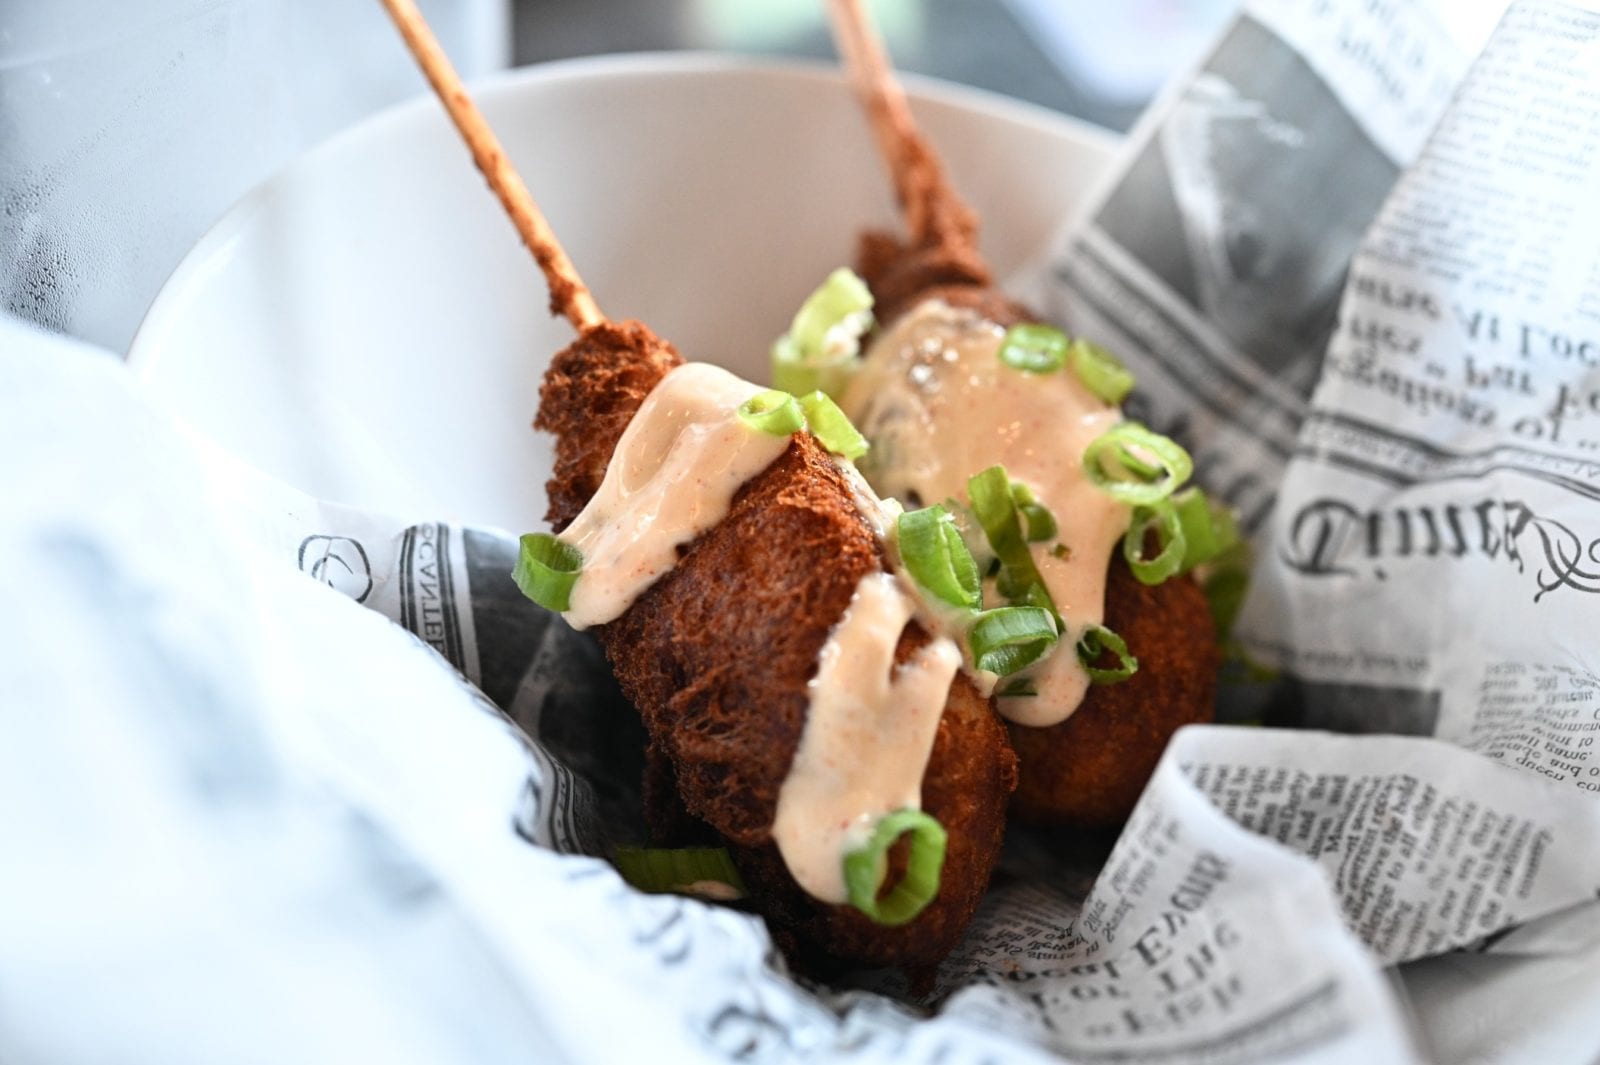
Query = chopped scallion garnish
x=773 y=411
x=1034 y=347
x=832 y=427
x=996 y=510
x=1225 y=580
x=1161 y=520
x=546 y=570
x=865 y=868
x=1209 y=527
x=1095 y=643
x=708 y=872
x=937 y=557
x=820 y=349
x=1100 y=371
x=1010 y=638
x=1041 y=524
x=1134 y=465
x=972 y=534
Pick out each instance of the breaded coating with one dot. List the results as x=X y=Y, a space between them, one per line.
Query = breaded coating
x=590 y=393
x=901 y=276
x=717 y=654
x=1088 y=771
x=941 y=262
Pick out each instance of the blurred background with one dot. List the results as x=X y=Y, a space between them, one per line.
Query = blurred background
x=126 y=129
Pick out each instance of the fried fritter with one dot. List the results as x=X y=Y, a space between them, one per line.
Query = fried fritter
x=1088 y=771
x=716 y=656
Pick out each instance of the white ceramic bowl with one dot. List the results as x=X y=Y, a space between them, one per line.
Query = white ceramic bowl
x=367 y=326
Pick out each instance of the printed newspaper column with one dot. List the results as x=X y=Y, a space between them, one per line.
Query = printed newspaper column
x=1261 y=882
x=1434 y=564
x=1201 y=941
x=1428 y=847
x=1214 y=261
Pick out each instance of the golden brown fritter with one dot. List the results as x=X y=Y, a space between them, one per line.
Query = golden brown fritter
x=716 y=656
x=1088 y=771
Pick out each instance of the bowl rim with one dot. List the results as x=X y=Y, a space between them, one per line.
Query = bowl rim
x=203 y=256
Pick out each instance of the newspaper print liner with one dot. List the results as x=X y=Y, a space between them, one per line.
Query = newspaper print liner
x=1265 y=875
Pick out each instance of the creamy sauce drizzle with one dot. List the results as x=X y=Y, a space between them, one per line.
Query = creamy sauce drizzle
x=868 y=734
x=939 y=406
x=673 y=476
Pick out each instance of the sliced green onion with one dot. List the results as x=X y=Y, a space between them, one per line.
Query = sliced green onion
x=1019 y=689
x=547 y=569
x=1040 y=522
x=1010 y=638
x=819 y=351
x=1034 y=348
x=996 y=511
x=704 y=871
x=865 y=868
x=832 y=427
x=773 y=411
x=1225 y=581
x=1209 y=527
x=972 y=534
x=1118 y=461
x=1038 y=595
x=1160 y=518
x=1100 y=371
x=1095 y=642
x=937 y=558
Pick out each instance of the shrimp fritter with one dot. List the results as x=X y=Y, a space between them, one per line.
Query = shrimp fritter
x=716 y=656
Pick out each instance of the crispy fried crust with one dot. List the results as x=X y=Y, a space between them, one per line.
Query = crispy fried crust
x=716 y=656
x=1089 y=770
x=901 y=277
x=589 y=395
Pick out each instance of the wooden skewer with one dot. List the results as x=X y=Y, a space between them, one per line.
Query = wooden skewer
x=568 y=294
x=918 y=179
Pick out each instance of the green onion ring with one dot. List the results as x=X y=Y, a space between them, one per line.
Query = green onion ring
x=832 y=427
x=1123 y=473
x=1096 y=640
x=1034 y=348
x=1100 y=371
x=1161 y=518
x=546 y=570
x=684 y=870
x=1209 y=527
x=773 y=411
x=1227 y=579
x=996 y=511
x=865 y=868
x=1010 y=638
x=937 y=557
x=1041 y=524
x=801 y=361
x=1038 y=595
x=972 y=535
